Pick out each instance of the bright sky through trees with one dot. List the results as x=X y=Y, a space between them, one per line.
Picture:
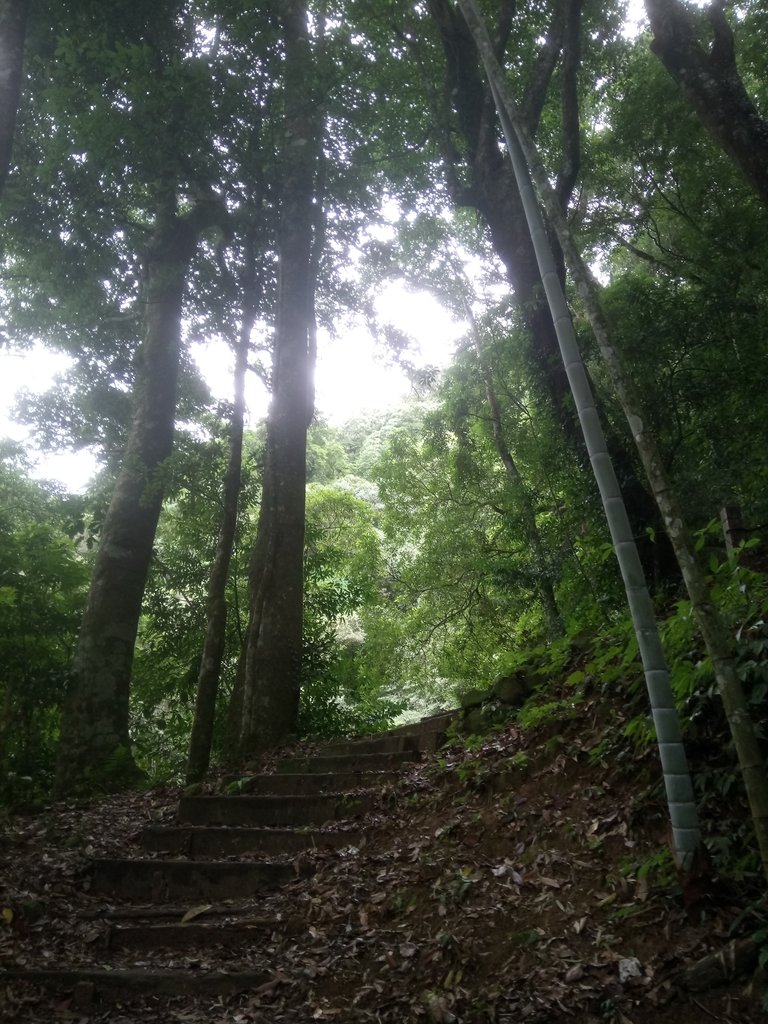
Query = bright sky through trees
x=352 y=374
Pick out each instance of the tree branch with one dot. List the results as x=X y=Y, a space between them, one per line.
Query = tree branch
x=710 y=81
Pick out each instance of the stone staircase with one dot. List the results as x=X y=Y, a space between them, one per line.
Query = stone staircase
x=208 y=879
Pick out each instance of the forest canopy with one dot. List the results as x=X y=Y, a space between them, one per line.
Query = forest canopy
x=190 y=172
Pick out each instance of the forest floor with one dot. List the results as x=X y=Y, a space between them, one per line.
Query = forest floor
x=525 y=880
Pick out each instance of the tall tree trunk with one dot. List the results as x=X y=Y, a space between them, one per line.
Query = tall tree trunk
x=714 y=632
x=710 y=81
x=494 y=193
x=94 y=751
x=216 y=610
x=13 y=29
x=272 y=680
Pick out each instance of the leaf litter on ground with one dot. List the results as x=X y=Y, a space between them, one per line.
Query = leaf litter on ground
x=494 y=897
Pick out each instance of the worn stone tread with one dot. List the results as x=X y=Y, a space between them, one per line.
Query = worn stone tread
x=135 y=982
x=192 y=935
x=270 y=810
x=188 y=879
x=354 y=762
x=398 y=744
x=311 y=783
x=223 y=840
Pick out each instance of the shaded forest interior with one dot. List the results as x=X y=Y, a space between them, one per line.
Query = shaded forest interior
x=177 y=173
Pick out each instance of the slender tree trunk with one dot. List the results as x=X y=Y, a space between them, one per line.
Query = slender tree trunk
x=714 y=632
x=94 y=750
x=710 y=81
x=272 y=681
x=527 y=512
x=13 y=29
x=216 y=611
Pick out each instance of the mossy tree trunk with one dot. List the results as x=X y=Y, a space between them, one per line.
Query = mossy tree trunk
x=94 y=750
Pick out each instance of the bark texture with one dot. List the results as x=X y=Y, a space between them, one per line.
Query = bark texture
x=491 y=187
x=94 y=750
x=709 y=79
x=272 y=677
x=13 y=29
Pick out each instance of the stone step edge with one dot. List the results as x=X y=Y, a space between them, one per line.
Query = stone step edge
x=428 y=724
x=88 y=984
x=178 y=935
x=175 y=911
x=194 y=842
x=300 y=866
x=367 y=779
x=392 y=761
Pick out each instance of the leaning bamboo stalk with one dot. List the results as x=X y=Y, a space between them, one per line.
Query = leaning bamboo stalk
x=710 y=622
x=682 y=807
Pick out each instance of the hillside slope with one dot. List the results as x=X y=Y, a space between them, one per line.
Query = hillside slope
x=521 y=879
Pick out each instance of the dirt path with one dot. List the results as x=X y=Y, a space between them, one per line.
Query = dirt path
x=521 y=881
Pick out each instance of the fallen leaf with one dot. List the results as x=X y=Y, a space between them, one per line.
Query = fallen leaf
x=607 y=900
x=196 y=912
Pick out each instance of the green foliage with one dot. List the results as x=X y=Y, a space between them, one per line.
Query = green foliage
x=42 y=591
x=172 y=626
x=761 y=938
x=533 y=715
x=658 y=868
x=327 y=459
x=343 y=571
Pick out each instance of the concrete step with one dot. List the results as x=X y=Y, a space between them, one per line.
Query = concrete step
x=308 y=783
x=146 y=880
x=433 y=723
x=419 y=742
x=201 y=936
x=199 y=841
x=89 y=986
x=270 y=810
x=361 y=761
